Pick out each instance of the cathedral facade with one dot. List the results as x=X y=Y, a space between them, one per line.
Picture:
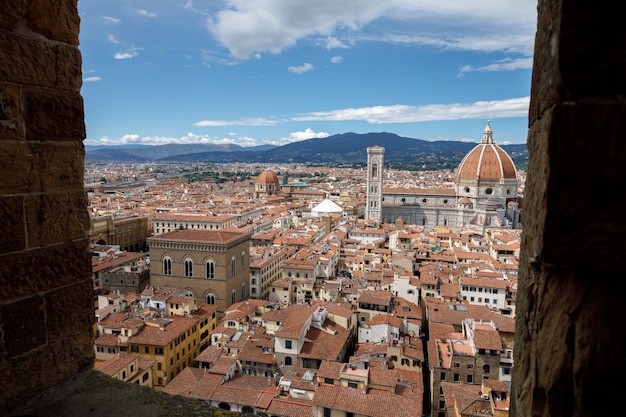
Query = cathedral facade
x=485 y=193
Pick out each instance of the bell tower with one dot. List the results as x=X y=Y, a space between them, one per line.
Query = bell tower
x=375 y=162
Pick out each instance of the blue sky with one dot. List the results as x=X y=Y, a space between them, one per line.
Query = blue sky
x=254 y=72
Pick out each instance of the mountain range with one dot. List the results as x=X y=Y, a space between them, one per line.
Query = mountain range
x=341 y=149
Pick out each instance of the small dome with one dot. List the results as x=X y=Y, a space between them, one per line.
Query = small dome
x=267 y=177
x=487 y=161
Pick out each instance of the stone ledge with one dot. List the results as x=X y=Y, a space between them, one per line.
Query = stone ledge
x=94 y=394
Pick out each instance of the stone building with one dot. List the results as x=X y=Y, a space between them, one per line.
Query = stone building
x=128 y=232
x=213 y=265
x=484 y=195
x=266 y=184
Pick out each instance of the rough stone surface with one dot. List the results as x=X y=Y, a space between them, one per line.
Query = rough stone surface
x=56 y=167
x=11 y=13
x=11 y=117
x=23 y=326
x=571 y=286
x=44 y=269
x=46 y=226
x=70 y=310
x=97 y=395
x=53 y=115
x=12 y=218
x=57 y=20
x=27 y=61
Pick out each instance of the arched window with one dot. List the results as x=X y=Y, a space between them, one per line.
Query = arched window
x=188 y=267
x=288 y=360
x=210 y=269
x=233 y=266
x=486 y=369
x=210 y=298
x=243 y=291
x=233 y=297
x=167 y=266
x=243 y=260
x=374 y=171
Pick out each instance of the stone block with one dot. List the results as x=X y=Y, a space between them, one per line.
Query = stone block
x=41 y=270
x=27 y=61
x=12 y=221
x=11 y=13
x=56 y=166
x=53 y=115
x=577 y=202
x=69 y=68
x=57 y=20
x=56 y=217
x=11 y=116
x=70 y=310
x=23 y=324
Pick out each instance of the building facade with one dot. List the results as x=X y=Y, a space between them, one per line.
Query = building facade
x=213 y=265
x=484 y=194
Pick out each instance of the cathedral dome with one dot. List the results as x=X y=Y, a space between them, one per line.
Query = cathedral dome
x=487 y=161
x=267 y=177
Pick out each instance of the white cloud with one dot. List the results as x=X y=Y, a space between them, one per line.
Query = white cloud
x=333 y=43
x=109 y=19
x=190 y=138
x=145 y=13
x=515 y=107
x=245 y=27
x=92 y=79
x=336 y=59
x=127 y=54
x=241 y=122
x=506 y=64
x=296 y=137
x=300 y=69
x=112 y=39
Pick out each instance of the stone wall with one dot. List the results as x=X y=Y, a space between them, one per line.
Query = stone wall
x=569 y=355
x=46 y=295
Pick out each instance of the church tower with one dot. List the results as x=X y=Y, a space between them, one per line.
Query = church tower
x=375 y=162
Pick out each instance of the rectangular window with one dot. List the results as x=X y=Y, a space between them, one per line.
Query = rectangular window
x=353 y=385
x=326 y=412
x=456 y=377
x=158 y=350
x=288 y=344
x=146 y=349
x=470 y=379
x=145 y=377
x=443 y=376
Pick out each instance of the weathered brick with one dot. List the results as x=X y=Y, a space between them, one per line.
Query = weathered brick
x=11 y=114
x=53 y=115
x=27 y=61
x=70 y=310
x=57 y=20
x=44 y=269
x=12 y=218
x=23 y=326
x=56 y=217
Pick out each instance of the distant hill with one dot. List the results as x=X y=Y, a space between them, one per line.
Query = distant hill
x=342 y=149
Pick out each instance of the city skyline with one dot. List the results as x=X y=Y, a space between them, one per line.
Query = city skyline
x=277 y=72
